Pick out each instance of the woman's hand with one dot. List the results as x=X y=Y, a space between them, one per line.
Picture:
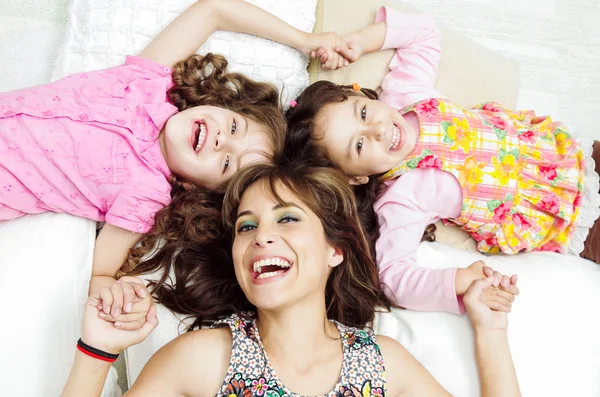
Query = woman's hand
x=483 y=317
x=105 y=335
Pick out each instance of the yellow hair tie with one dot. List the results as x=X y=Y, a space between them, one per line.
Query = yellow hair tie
x=355 y=87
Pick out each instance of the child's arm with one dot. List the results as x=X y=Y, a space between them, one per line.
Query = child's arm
x=411 y=202
x=414 y=67
x=111 y=250
x=189 y=31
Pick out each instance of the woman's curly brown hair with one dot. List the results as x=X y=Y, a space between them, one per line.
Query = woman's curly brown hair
x=184 y=234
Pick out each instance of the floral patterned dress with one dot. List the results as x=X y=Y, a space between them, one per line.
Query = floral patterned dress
x=250 y=372
x=521 y=175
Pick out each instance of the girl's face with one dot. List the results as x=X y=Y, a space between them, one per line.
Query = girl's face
x=280 y=252
x=206 y=145
x=364 y=136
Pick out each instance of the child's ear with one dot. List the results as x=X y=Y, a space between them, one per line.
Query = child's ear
x=358 y=180
x=187 y=185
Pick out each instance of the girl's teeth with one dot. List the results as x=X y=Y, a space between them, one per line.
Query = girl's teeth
x=395 y=138
x=270 y=274
x=201 y=137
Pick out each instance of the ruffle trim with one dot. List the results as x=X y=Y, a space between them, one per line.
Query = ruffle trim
x=590 y=199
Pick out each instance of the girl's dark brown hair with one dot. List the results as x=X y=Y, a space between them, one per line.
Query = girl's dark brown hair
x=186 y=230
x=302 y=134
x=353 y=291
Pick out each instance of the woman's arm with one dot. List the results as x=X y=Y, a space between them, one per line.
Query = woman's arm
x=497 y=375
x=407 y=377
x=189 y=31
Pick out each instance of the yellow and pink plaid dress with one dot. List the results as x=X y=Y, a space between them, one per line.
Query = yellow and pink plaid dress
x=521 y=175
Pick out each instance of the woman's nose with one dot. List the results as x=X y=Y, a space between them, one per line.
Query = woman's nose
x=264 y=238
x=220 y=141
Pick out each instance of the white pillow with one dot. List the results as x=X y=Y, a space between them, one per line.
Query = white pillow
x=553 y=331
x=101 y=33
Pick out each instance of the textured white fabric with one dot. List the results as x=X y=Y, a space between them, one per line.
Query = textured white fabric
x=553 y=331
x=45 y=267
x=553 y=328
x=101 y=33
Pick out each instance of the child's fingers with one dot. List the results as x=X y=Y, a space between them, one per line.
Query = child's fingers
x=128 y=297
x=107 y=299
x=117 y=306
x=513 y=279
x=488 y=271
x=130 y=325
x=140 y=290
x=512 y=289
x=505 y=282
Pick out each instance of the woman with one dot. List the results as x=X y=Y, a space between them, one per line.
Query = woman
x=304 y=268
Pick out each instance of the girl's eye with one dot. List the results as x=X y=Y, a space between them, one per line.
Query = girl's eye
x=226 y=166
x=233 y=127
x=246 y=227
x=363 y=113
x=359 y=145
x=288 y=219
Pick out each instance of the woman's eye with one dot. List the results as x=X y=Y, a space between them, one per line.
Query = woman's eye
x=363 y=113
x=359 y=145
x=233 y=127
x=226 y=165
x=246 y=227
x=288 y=219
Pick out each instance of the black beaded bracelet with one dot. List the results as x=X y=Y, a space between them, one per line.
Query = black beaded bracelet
x=96 y=353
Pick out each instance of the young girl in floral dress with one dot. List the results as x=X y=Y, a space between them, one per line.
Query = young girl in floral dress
x=515 y=181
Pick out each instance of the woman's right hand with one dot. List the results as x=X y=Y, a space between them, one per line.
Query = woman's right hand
x=104 y=335
x=482 y=316
x=327 y=47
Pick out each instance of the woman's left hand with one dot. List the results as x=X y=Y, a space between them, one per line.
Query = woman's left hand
x=482 y=316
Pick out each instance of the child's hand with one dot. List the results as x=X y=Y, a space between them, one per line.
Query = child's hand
x=328 y=46
x=126 y=303
x=104 y=336
x=477 y=271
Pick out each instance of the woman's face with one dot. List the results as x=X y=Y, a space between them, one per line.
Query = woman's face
x=280 y=252
x=206 y=145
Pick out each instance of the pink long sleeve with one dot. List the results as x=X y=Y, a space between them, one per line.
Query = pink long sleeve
x=414 y=67
x=412 y=202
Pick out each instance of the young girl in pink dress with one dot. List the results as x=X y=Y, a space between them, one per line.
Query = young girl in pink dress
x=517 y=182
x=119 y=145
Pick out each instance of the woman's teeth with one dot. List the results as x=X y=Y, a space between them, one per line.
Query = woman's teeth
x=272 y=264
x=201 y=137
x=271 y=274
x=395 y=138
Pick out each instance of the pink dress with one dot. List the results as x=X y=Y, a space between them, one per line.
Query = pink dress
x=88 y=145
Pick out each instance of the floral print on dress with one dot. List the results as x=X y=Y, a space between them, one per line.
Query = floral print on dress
x=251 y=374
x=521 y=175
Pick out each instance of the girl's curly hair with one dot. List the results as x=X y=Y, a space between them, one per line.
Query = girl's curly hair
x=185 y=232
x=301 y=135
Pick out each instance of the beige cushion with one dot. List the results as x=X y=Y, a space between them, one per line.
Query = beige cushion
x=469 y=72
